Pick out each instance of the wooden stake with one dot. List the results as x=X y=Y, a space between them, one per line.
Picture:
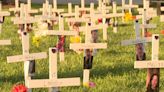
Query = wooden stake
x=86 y=73
x=69 y=8
x=53 y=81
x=52 y=68
x=55 y=4
x=82 y=3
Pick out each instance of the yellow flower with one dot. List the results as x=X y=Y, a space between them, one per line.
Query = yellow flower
x=86 y=85
x=75 y=39
x=36 y=41
x=128 y=17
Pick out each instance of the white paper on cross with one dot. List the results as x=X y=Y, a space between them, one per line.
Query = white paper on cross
x=138 y=37
x=53 y=80
x=155 y=62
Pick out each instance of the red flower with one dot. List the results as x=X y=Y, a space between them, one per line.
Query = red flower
x=99 y=20
x=19 y=88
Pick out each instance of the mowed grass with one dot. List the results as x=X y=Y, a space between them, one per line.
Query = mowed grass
x=113 y=68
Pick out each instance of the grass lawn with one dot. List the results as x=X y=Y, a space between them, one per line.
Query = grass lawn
x=113 y=68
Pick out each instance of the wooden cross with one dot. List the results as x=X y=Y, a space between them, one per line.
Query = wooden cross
x=85 y=46
x=138 y=37
x=149 y=11
x=18 y=9
x=76 y=18
x=93 y=24
x=162 y=16
x=29 y=7
x=146 y=25
x=60 y=32
x=2 y=15
x=26 y=57
x=129 y=6
x=113 y=15
x=53 y=80
x=94 y=27
x=55 y=9
x=75 y=14
x=103 y=15
x=103 y=3
x=25 y=19
x=83 y=8
x=155 y=63
x=147 y=14
x=47 y=14
x=159 y=8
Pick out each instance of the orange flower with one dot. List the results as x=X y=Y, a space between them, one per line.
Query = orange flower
x=148 y=34
x=162 y=32
x=134 y=17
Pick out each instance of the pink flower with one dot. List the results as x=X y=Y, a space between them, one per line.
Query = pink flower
x=92 y=84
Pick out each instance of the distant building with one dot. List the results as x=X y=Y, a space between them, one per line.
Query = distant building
x=78 y=1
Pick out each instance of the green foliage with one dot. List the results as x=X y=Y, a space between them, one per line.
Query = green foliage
x=113 y=68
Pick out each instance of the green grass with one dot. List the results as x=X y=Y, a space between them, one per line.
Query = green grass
x=112 y=68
